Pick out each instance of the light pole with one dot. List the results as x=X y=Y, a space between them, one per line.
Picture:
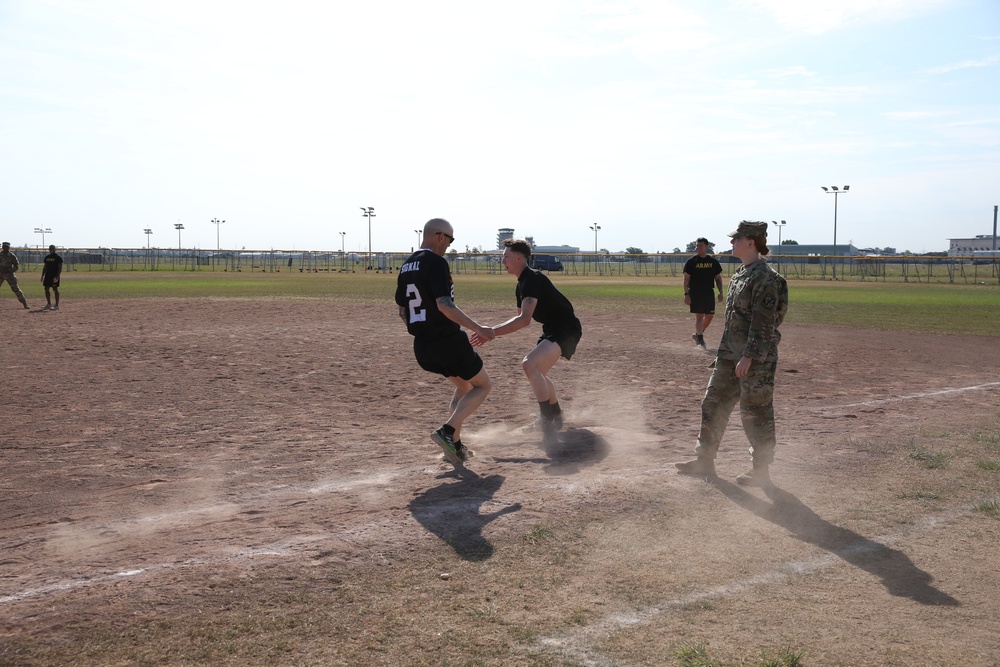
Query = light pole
x=832 y=190
x=343 y=256
x=43 y=231
x=595 y=228
x=418 y=237
x=178 y=226
x=218 y=246
x=779 y=225
x=218 y=225
x=147 y=232
x=369 y=213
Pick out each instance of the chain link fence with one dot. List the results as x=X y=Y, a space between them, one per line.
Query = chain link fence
x=895 y=268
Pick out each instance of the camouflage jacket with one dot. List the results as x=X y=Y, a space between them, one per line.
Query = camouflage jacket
x=755 y=307
x=8 y=262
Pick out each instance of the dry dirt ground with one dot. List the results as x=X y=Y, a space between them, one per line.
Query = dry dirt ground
x=252 y=482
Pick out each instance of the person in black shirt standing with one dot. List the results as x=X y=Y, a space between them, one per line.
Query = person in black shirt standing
x=51 y=270
x=699 y=273
x=539 y=300
x=425 y=296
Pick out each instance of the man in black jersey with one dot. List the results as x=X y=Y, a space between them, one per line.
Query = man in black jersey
x=538 y=299
x=699 y=273
x=425 y=295
x=51 y=270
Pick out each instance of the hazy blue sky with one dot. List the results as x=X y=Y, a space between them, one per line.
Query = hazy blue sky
x=658 y=120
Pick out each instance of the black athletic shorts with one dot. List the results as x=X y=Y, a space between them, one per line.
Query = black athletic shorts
x=566 y=338
x=450 y=356
x=703 y=302
x=50 y=281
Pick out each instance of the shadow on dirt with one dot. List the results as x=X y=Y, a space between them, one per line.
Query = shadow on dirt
x=567 y=452
x=451 y=511
x=898 y=573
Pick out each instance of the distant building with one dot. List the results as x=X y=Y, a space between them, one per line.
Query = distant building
x=555 y=249
x=824 y=250
x=964 y=247
x=503 y=234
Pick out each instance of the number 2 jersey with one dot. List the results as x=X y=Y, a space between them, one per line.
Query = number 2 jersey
x=424 y=278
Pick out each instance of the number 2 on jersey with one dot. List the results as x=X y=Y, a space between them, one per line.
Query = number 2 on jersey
x=417 y=314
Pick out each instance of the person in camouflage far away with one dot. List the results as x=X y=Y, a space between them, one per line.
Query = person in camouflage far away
x=8 y=272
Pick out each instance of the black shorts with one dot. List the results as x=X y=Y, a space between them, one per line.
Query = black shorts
x=566 y=338
x=703 y=302
x=450 y=356
x=50 y=281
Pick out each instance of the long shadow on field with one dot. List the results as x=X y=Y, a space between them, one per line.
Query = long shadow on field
x=568 y=452
x=898 y=573
x=451 y=511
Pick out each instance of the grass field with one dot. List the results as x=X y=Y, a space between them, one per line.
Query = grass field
x=954 y=309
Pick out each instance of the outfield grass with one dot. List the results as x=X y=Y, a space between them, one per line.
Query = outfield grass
x=956 y=309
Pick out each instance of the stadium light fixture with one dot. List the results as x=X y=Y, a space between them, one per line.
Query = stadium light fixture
x=147 y=232
x=178 y=227
x=832 y=190
x=369 y=213
x=418 y=236
x=43 y=231
x=343 y=257
x=779 y=225
x=218 y=225
x=596 y=228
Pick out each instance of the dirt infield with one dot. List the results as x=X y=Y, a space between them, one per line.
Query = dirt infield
x=252 y=482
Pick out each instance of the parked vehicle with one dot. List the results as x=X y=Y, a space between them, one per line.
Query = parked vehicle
x=546 y=263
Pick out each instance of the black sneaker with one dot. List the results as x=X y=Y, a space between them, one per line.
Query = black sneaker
x=701 y=342
x=444 y=441
x=557 y=421
x=464 y=452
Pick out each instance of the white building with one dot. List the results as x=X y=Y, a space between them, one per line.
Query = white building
x=965 y=247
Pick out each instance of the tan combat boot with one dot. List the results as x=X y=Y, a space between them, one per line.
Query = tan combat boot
x=699 y=466
x=758 y=477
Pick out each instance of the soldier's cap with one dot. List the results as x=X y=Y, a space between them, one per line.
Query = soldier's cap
x=6 y=244
x=749 y=228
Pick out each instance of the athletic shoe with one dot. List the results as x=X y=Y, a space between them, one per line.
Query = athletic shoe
x=701 y=342
x=55 y=307
x=444 y=441
x=47 y=307
x=699 y=466
x=694 y=337
x=557 y=421
x=464 y=452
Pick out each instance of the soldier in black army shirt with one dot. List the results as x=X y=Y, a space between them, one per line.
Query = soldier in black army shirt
x=700 y=273
x=51 y=270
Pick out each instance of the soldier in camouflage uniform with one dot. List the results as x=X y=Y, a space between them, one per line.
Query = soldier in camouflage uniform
x=746 y=361
x=8 y=266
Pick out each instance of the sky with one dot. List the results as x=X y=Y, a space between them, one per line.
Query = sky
x=657 y=120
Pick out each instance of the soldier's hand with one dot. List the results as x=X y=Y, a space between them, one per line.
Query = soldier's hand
x=743 y=366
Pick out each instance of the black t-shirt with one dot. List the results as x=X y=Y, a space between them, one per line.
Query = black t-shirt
x=702 y=271
x=53 y=265
x=423 y=279
x=552 y=309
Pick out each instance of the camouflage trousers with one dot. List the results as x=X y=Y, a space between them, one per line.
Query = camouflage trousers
x=12 y=281
x=755 y=393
